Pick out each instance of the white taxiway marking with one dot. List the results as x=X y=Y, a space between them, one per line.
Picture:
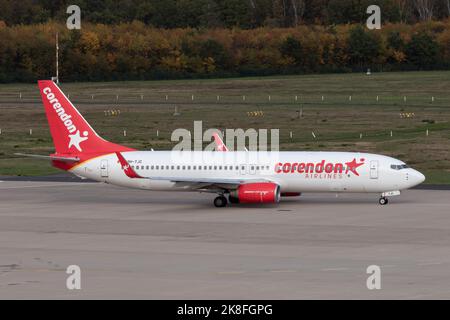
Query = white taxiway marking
x=334 y=269
x=283 y=271
x=429 y=264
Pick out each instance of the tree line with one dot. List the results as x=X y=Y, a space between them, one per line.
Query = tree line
x=135 y=51
x=244 y=14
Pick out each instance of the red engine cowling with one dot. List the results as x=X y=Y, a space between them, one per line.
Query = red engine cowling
x=264 y=192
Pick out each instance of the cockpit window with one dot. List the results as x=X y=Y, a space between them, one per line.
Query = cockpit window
x=399 y=166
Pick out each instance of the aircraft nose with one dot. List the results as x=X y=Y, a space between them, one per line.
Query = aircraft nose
x=417 y=177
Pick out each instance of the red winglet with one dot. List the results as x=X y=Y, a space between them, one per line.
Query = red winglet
x=220 y=146
x=126 y=167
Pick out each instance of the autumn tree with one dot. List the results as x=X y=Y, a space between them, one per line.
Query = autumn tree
x=363 y=47
x=422 y=51
x=425 y=9
x=292 y=49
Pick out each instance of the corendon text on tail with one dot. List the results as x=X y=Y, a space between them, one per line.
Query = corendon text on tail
x=236 y=177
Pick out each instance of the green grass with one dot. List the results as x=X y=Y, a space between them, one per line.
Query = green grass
x=437 y=176
x=336 y=121
x=26 y=167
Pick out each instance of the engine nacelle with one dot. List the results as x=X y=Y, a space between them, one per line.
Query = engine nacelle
x=264 y=192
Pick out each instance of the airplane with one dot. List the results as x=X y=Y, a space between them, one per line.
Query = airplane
x=235 y=176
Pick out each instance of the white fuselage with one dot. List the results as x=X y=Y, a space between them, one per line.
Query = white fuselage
x=292 y=171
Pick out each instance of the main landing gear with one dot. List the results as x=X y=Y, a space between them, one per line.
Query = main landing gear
x=383 y=201
x=220 y=202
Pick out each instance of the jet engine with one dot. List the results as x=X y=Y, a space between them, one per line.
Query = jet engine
x=264 y=192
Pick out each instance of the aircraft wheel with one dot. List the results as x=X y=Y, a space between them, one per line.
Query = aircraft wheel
x=220 y=202
x=383 y=201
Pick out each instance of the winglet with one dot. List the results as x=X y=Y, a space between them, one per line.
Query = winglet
x=220 y=146
x=126 y=167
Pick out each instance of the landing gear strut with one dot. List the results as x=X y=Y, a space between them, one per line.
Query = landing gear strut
x=220 y=202
x=383 y=201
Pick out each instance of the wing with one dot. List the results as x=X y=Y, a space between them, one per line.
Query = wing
x=206 y=184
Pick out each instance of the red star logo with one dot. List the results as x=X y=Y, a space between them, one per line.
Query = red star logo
x=352 y=166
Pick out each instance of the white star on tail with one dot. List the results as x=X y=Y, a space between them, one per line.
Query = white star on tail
x=76 y=139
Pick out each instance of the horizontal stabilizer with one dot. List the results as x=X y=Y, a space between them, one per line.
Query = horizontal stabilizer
x=56 y=158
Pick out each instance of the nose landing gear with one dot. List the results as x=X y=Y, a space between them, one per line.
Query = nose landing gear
x=384 y=200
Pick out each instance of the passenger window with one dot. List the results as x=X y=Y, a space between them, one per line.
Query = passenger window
x=184 y=167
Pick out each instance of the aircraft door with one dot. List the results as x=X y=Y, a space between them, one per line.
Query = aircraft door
x=104 y=169
x=374 y=169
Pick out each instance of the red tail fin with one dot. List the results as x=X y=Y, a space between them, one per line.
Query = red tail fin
x=70 y=131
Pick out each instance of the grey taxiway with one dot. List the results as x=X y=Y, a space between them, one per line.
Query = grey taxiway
x=154 y=245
